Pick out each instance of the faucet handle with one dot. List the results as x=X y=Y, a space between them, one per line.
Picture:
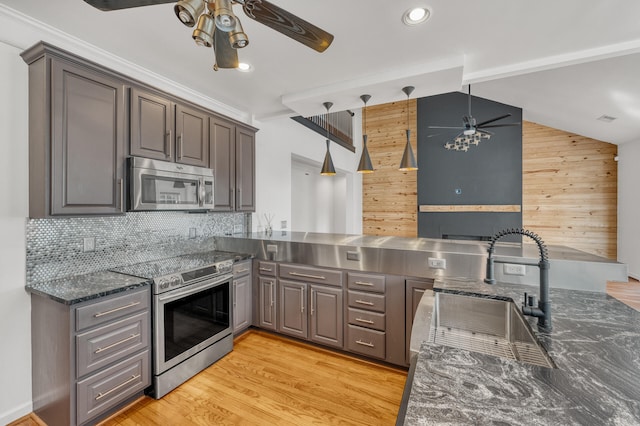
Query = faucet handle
x=525 y=299
x=532 y=300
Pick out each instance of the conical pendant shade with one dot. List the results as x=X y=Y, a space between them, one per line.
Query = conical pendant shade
x=327 y=166
x=365 y=165
x=408 y=162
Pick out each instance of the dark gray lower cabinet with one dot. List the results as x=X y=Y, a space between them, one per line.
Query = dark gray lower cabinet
x=414 y=289
x=89 y=359
x=242 y=285
x=292 y=313
x=326 y=315
x=267 y=303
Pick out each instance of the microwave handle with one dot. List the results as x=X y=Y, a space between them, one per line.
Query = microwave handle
x=202 y=193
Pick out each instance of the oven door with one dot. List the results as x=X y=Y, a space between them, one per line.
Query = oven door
x=190 y=319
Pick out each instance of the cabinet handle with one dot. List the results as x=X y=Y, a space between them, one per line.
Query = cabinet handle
x=167 y=151
x=238 y=203
x=366 y=321
x=367 y=344
x=113 y=345
x=180 y=144
x=364 y=302
x=131 y=379
x=101 y=314
x=271 y=295
x=302 y=301
x=364 y=283
x=312 y=295
x=265 y=269
x=235 y=291
x=232 y=199
x=240 y=271
x=121 y=185
x=315 y=277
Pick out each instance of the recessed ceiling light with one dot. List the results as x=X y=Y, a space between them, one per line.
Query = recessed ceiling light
x=416 y=15
x=244 y=67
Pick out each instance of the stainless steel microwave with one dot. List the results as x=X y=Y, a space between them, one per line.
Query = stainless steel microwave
x=160 y=185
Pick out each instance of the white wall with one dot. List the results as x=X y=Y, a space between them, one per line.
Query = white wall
x=15 y=306
x=629 y=206
x=276 y=143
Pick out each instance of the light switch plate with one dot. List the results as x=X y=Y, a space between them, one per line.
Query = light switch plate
x=511 y=269
x=272 y=248
x=192 y=232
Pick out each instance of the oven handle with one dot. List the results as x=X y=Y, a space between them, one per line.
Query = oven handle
x=194 y=288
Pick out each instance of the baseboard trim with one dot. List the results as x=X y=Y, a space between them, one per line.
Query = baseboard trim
x=19 y=415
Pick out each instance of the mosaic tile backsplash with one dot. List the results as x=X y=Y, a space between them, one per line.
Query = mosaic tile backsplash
x=55 y=246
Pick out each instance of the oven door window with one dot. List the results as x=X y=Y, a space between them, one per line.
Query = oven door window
x=193 y=319
x=168 y=190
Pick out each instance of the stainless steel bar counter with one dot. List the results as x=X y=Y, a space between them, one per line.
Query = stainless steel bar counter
x=570 y=268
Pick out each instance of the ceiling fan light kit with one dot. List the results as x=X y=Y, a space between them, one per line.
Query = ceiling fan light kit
x=217 y=26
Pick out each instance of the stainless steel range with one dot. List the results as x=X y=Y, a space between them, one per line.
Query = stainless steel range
x=192 y=314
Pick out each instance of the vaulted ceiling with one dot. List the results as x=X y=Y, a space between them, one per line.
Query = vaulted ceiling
x=565 y=63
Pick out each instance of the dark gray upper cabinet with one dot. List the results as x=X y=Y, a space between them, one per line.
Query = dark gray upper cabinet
x=152 y=126
x=192 y=136
x=167 y=130
x=233 y=163
x=76 y=137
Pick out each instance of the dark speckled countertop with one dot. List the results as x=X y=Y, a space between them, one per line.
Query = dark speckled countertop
x=79 y=288
x=595 y=344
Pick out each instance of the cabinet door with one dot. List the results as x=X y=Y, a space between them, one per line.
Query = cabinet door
x=292 y=312
x=245 y=170
x=241 y=303
x=326 y=315
x=192 y=136
x=222 y=136
x=267 y=303
x=87 y=144
x=151 y=126
x=413 y=293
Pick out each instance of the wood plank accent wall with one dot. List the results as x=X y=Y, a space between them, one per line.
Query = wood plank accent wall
x=389 y=196
x=569 y=183
x=570 y=189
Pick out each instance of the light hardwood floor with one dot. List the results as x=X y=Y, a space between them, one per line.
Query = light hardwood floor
x=271 y=380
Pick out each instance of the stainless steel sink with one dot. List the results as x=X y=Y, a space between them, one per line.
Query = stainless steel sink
x=488 y=326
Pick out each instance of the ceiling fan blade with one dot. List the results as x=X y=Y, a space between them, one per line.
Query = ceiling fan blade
x=445 y=127
x=500 y=125
x=107 y=5
x=493 y=119
x=226 y=56
x=288 y=24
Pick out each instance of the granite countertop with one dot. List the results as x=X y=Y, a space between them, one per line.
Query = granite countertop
x=76 y=289
x=595 y=344
x=79 y=288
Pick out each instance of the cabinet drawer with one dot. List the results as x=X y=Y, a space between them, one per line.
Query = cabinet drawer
x=103 y=390
x=311 y=275
x=368 y=301
x=367 y=342
x=241 y=268
x=104 y=345
x=365 y=282
x=112 y=308
x=267 y=268
x=367 y=319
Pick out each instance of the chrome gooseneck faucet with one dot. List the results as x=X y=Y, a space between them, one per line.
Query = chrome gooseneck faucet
x=543 y=310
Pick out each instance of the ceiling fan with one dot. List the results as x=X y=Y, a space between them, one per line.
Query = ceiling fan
x=217 y=26
x=470 y=133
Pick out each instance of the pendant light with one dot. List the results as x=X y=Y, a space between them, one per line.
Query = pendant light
x=327 y=166
x=408 y=162
x=365 y=165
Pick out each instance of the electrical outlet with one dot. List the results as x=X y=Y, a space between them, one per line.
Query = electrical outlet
x=237 y=229
x=283 y=224
x=435 y=263
x=511 y=269
x=89 y=244
x=272 y=248
x=192 y=232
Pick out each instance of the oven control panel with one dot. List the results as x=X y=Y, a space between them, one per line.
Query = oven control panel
x=170 y=281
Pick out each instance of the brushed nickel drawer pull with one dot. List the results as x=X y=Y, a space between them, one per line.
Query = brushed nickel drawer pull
x=364 y=283
x=266 y=269
x=316 y=277
x=366 y=321
x=242 y=270
x=131 y=379
x=364 y=302
x=133 y=336
x=367 y=344
x=130 y=305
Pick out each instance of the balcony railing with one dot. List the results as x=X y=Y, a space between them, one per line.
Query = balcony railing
x=339 y=124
